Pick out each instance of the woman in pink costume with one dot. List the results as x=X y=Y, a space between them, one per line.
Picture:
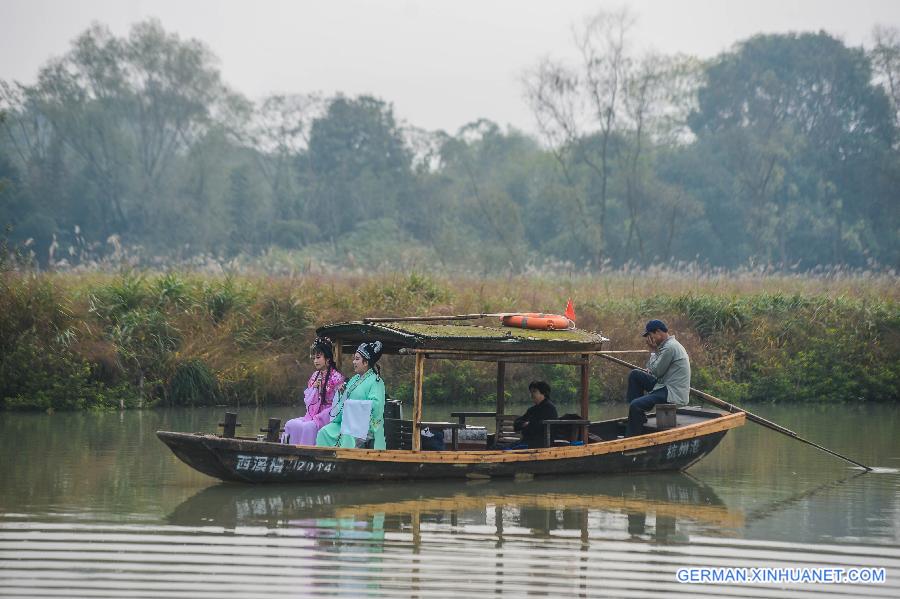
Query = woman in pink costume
x=319 y=394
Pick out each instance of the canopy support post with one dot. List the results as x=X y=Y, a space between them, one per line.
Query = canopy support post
x=338 y=352
x=501 y=395
x=585 y=407
x=418 y=381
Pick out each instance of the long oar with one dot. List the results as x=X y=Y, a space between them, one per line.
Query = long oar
x=750 y=416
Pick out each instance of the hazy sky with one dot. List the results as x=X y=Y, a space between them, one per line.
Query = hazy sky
x=442 y=63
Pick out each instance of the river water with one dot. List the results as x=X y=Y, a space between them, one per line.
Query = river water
x=93 y=505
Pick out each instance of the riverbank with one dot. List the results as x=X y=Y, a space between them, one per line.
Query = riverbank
x=81 y=341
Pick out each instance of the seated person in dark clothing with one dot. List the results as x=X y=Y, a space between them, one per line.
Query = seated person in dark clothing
x=531 y=423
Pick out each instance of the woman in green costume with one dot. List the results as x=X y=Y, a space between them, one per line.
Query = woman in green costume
x=367 y=386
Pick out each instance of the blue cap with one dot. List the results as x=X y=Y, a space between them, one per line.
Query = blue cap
x=655 y=325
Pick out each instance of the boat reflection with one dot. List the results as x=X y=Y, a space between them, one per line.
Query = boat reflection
x=665 y=507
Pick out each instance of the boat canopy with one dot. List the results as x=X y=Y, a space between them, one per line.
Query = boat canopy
x=432 y=341
x=397 y=336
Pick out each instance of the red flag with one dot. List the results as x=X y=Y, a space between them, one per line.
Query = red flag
x=570 y=310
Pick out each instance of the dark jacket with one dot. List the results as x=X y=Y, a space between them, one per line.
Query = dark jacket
x=533 y=434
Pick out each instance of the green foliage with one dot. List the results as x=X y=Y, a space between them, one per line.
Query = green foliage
x=243 y=385
x=145 y=335
x=380 y=244
x=170 y=290
x=221 y=297
x=564 y=381
x=781 y=150
x=794 y=348
x=29 y=305
x=708 y=315
x=795 y=136
x=39 y=369
x=113 y=301
x=415 y=291
x=193 y=384
x=70 y=342
x=461 y=381
x=362 y=166
x=280 y=320
x=36 y=375
x=137 y=317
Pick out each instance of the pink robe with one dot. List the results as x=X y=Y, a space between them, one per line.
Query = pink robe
x=303 y=430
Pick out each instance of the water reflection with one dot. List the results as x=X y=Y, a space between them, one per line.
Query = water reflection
x=660 y=508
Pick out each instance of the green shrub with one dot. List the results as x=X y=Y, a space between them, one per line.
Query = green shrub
x=170 y=290
x=221 y=297
x=708 y=314
x=58 y=351
x=451 y=382
x=30 y=305
x=278 y=320
x=194 y=384
x=412 y=293
x=110 y=302
x=34 y=376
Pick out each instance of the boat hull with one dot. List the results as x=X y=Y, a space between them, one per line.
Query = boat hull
x=251 y=461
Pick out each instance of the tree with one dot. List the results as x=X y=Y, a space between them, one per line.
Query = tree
x=7 y=170
x=126 y=107
x=657 y=95
x=38 y=199
x=885 y=57
x=605 y=59
x=573 y=105
x=360 y=165
x=797 y=121
x=279 y=132
x=489 y=186
x=603 y=120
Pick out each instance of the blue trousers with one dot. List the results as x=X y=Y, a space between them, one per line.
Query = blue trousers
x=642 y=398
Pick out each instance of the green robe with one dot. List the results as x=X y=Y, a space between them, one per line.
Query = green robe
x=367 y=386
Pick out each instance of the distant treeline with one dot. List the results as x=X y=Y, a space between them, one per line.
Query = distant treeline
x=782 y=150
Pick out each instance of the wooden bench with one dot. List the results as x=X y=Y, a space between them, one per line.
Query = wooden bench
x=503 y=424
x=461 y=416
x=549 y=425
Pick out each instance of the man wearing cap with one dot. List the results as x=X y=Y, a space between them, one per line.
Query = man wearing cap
x=668 y=379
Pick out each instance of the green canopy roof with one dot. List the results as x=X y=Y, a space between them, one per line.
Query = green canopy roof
x=462 y=337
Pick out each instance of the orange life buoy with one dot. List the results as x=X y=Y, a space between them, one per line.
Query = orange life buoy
x=534 y=320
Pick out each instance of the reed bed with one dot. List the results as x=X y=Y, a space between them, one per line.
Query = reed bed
x=141 y=339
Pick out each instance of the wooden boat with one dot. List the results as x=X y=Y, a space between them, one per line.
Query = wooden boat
x=600 y=449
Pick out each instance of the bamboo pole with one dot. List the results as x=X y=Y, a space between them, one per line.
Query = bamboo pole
x=418 y=381
x=436 y=317
x=501 y=388
x=511 y=352
x=750 y=416
x=585 y=406
x=510 y=358
x=338 y=353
